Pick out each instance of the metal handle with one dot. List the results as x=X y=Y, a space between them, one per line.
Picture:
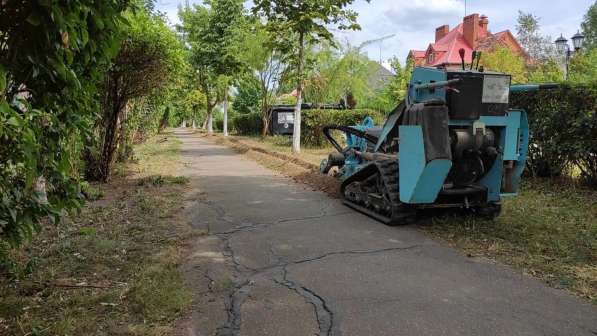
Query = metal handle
x=434 y=85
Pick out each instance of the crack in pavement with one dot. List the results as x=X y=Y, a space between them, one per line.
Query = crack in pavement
x=326 y=321
x=323 y=314
x=243 y=275
x=233 y=308
x=248 y=226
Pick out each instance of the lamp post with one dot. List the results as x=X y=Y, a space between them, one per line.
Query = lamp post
x=563 y=47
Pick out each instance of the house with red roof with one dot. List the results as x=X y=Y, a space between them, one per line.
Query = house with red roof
x=471 y=34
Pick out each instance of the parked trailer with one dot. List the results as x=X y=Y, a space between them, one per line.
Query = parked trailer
x=282 y=116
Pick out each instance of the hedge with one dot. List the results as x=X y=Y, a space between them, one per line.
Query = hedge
x=314 y=120
x=247 y=124
x=563 y=126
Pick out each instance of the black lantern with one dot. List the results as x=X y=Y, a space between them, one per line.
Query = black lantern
x=577 y=40
x=562 y=44
x=563 y=48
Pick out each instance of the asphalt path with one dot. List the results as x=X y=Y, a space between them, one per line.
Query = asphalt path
x=273 y=257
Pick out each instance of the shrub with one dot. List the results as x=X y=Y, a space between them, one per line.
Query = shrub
x=247 y=124
x=53 y=55
x=314 y=120
x=563 y=126
x=218 y=122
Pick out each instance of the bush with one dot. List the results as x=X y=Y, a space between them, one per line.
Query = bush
x=218 y=122
x=314 y=120
x=563 y=126
x=247 y=124
x=53 y=55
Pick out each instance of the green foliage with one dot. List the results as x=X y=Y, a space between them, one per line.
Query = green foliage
x=314 y=120
x=214 y=33
x=583 y=67
x=337 y=74
x=150 y=58
x=563 y=129
x=589 y=27
x=249 y=95
x=247 y=124
x=191 y=106
x=546 y=71
x=504 y=60
x=294 y=24
x=528 y=34
x=53 y=55
x=266 y=68
x=395 y=91
x=309 y=17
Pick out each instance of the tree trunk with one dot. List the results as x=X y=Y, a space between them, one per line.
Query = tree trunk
x=265 y=128
x=210 y=107
x=296 y=136
x=265 y=116
x=109 y=143
x=225 y=127
x=210 y=125
x=122 y=149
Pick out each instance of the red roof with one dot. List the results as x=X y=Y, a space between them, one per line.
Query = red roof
x=417 y=53
x=446 y=49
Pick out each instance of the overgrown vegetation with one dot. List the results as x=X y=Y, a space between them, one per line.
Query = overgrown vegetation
x=150 y=57
x=314 y=120
x=53 y=57
x=113 y=269
x=563 y=131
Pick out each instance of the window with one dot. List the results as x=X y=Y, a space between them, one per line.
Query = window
x=430 y=58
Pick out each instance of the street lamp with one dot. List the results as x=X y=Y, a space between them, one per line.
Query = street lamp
x=563 y=47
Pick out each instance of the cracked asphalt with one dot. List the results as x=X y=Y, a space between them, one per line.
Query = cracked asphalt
x=272 y=257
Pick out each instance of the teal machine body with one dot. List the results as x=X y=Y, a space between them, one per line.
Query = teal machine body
x=452 y=143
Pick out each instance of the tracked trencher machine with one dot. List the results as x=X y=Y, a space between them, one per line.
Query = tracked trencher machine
x=452 y=143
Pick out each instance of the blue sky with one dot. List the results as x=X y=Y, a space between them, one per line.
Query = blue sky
x=414 y=21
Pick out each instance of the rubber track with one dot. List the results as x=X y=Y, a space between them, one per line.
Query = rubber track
x=388 y=169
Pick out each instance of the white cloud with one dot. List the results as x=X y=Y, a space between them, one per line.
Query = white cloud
x=414 y=21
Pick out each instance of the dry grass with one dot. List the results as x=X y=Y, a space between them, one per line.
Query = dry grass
x=112 y=269
x=303 y=168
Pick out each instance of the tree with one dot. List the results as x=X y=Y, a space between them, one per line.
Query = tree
x=529 y=35
x=502 y=59
x=212 y=33
x=52 y=58
x=304 y=21
x=583 y=67
x=589 y=27
x=149 y=57
x=398 y=84
x=266 y=65
x=544 y=64
x=248 y=98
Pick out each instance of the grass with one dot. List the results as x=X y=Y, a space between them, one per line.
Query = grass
x=113 y=268
x=549 y=231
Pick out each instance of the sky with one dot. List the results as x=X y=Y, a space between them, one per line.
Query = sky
x=412 y=22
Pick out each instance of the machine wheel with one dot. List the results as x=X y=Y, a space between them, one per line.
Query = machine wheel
x=375 y=192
